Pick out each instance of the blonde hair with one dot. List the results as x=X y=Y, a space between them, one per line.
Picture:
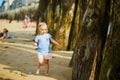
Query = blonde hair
x=43 y=25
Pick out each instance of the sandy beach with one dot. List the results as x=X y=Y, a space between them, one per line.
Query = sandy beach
x=18 y=56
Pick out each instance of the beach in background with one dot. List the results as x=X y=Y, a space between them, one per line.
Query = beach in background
x=18 y=56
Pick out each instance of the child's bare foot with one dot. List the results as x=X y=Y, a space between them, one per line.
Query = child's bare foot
x=37 y=72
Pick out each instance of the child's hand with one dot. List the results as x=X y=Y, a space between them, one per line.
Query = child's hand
x=59 y=46
x=35 y=44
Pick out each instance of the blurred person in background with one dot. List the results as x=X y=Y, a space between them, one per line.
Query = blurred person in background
x=4 y=34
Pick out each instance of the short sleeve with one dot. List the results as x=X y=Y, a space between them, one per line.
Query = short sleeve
x=50 y=36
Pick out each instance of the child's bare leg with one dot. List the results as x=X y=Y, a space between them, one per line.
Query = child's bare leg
x=38 y=68
x=46 y=66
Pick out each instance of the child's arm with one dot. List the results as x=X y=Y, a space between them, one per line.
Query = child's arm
x=55 y=42
x=35 y=41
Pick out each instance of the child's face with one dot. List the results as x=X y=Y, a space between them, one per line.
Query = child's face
x=43 y=30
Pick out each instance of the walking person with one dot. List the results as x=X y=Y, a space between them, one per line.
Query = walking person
x=42 y=41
